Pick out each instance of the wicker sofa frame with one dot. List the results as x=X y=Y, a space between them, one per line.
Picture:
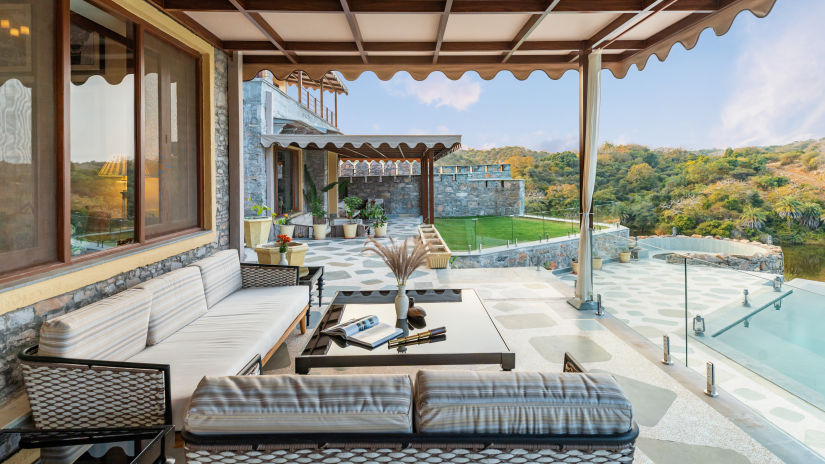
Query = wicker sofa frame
x=67 y=393
x=345 y=448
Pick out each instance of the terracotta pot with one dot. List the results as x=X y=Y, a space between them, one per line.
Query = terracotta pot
x=256 y=230
x=381 y=231
x=287 y=229
x=319 y=231
x=624 y=256
x=350 y=230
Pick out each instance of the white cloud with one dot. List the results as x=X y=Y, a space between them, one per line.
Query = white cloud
x=780 y=92
x=437 y=90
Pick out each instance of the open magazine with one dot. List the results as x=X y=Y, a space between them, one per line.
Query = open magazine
x=367 y=331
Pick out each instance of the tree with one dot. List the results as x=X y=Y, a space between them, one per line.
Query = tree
x=810 y=215
x=519 y=165
x=788 y=208
x=641 y=177
x=752 y=218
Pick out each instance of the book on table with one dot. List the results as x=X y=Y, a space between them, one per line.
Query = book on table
x=367 y=331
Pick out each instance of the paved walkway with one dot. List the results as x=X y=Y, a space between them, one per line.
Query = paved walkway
x=678 y=424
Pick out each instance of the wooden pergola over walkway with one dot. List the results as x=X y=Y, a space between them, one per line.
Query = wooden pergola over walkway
x=457 y=36
x=424 y=148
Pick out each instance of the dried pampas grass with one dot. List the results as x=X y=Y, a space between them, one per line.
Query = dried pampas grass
x=402 y=257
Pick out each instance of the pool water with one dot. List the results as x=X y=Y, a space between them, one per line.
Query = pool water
x=785 y=346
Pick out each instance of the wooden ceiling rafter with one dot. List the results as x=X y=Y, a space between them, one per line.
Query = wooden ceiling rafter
x=434 y=6
x=442 y=27
x=529 y=26
x=355 y=30
x=266 y=29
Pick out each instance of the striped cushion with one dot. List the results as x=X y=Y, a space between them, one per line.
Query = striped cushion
x=113 y=329
x=520 y=403
x=177 y=300
x=221 y=274
x=301 y=404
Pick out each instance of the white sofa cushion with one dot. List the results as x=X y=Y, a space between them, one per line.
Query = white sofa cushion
x=112 y=329
x=301 y=404
x=177 y=300
x=520 y=403
x=221 y=275
x=247 y=323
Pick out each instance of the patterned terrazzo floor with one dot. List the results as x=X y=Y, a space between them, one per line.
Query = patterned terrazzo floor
x=678 y=424
x=648 y=295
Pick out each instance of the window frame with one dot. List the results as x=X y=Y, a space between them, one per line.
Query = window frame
x=62 y=104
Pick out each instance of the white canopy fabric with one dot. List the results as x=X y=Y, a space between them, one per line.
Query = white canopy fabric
x=592 y=94
x=370 y=146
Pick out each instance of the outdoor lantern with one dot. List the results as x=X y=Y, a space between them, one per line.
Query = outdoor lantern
x=777 y=283
x=698 y=325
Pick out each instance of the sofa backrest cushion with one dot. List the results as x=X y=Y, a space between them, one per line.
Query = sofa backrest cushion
x=520 y=403
x=301 y=404
x=221 y=275
x=177 y=300
x=112 y=329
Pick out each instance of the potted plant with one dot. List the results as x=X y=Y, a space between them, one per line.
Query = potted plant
x=319 y=219
x=285 y=226
x=285 y=252
x=624 y=255
x=597 y=261
x=352 y=203
x=256 y=228
x=403 y=258
x=575 y=265
x=376 y=217
x=380 y=225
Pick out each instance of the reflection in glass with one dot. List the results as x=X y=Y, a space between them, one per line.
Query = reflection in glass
x=171 y=138
x=27 y=149
x=102 y=129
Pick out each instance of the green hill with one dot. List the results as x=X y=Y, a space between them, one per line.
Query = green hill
x=748 y=192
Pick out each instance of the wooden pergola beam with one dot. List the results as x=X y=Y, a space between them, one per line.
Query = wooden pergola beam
x=356 y=31
x=435 y=6
x=487 y=46
x=267 y=30
x=442 y=26
x=529 y=26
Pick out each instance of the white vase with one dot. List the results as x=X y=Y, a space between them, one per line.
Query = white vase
x=381 y=231
x=402 y=303
x=319 y=231
x=284 y=261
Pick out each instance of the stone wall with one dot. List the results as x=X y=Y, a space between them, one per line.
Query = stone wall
x=317 y=163
x=401 y=194
x=742 y=255
x=20 y=328
x=453 y=197
x=557 y=253
x=467 y=197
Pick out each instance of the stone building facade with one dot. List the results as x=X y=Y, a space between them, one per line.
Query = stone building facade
x=486 y=190
x=20 y=327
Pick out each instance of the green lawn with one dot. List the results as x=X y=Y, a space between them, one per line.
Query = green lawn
x=492 y=231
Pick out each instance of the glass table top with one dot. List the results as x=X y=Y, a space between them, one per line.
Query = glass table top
x=470 y=328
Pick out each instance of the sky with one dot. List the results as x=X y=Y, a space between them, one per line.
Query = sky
x=761 y=83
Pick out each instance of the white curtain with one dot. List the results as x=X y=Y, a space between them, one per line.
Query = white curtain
x=590 y=126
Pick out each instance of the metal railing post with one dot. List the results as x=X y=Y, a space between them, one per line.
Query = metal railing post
x=710 y=390
x=666 y=346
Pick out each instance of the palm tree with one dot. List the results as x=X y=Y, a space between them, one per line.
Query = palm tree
x=752 y=218
x=810 y=215
x=788 y=208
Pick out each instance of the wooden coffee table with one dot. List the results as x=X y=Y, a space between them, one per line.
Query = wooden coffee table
x=472 y=336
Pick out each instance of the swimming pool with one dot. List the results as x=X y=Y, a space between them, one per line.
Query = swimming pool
x=785 y=346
